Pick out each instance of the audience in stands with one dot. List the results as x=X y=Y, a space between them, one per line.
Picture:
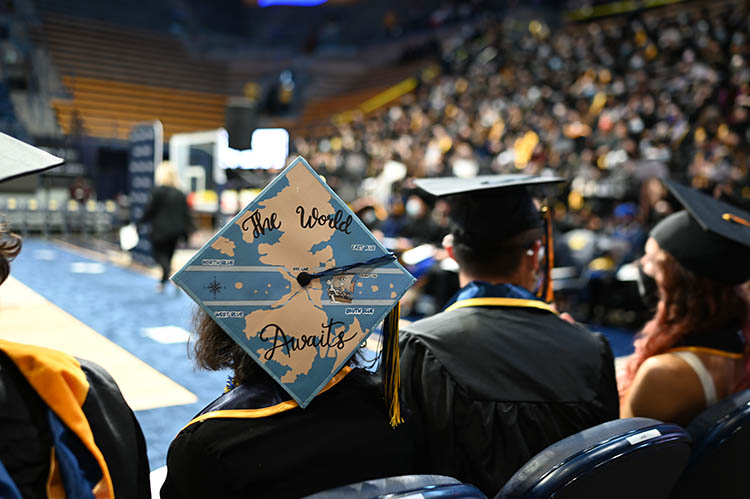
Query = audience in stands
x=498 y=376
x=696 y=348
x=608 y=104
x=254 y=441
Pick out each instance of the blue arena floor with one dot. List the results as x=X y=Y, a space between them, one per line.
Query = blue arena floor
x=121 y=304
x=620 y=340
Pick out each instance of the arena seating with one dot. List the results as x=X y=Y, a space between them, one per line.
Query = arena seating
x=85 y=47
x=318 y=117
x=721 y=438
x=32 y=216
x=624 y=458
x=110 y=109
x=13 y=210
x=401 y=487
x=154 y=15
x=119 y=76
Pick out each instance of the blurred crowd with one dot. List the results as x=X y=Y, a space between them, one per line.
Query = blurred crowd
x=612 y=105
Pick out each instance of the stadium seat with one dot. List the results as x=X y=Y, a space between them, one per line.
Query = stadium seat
x=14 y=213
x=625 y=458
x=721 y=440
x=401 y=487
x=56 y=218
x=35 y=221
x=74 y=217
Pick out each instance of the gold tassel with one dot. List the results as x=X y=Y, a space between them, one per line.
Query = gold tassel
x=391 y=368
x=546 y=291
x=550 y=295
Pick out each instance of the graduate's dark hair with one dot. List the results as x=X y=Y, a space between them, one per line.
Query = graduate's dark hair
x=214 y=350
x=493 y=259
x=10 y=246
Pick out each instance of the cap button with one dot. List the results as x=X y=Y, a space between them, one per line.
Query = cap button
x=304 y=279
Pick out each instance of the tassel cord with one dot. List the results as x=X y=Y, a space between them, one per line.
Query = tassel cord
x=390 y=367
x=338 y=270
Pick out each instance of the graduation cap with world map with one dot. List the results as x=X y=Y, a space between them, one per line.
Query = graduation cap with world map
x=299 y=282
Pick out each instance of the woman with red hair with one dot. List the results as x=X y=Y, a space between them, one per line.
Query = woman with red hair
x=695 y=350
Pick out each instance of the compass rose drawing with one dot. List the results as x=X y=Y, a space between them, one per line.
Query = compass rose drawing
x=214 y=287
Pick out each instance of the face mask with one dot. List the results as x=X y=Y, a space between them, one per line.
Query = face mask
x=368 y=217
x=647 y=288
x=413 y=208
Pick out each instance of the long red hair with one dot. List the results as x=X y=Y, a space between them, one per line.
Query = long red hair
x=688 y=303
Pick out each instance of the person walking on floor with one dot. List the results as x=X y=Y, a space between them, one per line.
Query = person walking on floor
x=169 y=215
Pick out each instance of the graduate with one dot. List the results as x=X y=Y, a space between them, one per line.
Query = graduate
x=694 y=351
x=66 y=429
x=498 y=375
x=288 y=292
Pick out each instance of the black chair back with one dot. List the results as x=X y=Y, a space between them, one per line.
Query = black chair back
x=721 y=442
x=625 y=458
x=402 y=487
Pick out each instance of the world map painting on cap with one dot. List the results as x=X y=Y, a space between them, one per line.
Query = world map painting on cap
x=297 y=280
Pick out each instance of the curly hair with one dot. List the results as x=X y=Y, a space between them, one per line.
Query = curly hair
x=688 y=303
x=10 y=246
x=215 y=350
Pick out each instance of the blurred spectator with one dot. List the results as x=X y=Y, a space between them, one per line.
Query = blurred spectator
x=80 y=190
x=419 y=226
x=169 y=215
x=628 y=230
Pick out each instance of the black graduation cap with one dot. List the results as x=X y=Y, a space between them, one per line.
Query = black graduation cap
x=710 y=237
x=488 y=209
x=18 y=158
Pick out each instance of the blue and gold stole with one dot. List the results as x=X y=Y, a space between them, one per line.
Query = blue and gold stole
x=255 y=401
x=484 y=294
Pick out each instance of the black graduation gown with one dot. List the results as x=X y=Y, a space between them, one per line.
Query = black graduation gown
x=492 y=386
x=169 y=215
x=26 y=442
x=343 y=436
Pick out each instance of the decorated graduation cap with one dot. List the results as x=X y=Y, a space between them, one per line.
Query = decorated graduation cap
x=18 y=158
x=710 y=237
x=297 y=280
x=488 y=210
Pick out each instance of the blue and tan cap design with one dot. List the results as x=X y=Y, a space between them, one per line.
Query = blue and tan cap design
x=297 y=280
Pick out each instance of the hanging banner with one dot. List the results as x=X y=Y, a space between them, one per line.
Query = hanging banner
x=146 y=152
